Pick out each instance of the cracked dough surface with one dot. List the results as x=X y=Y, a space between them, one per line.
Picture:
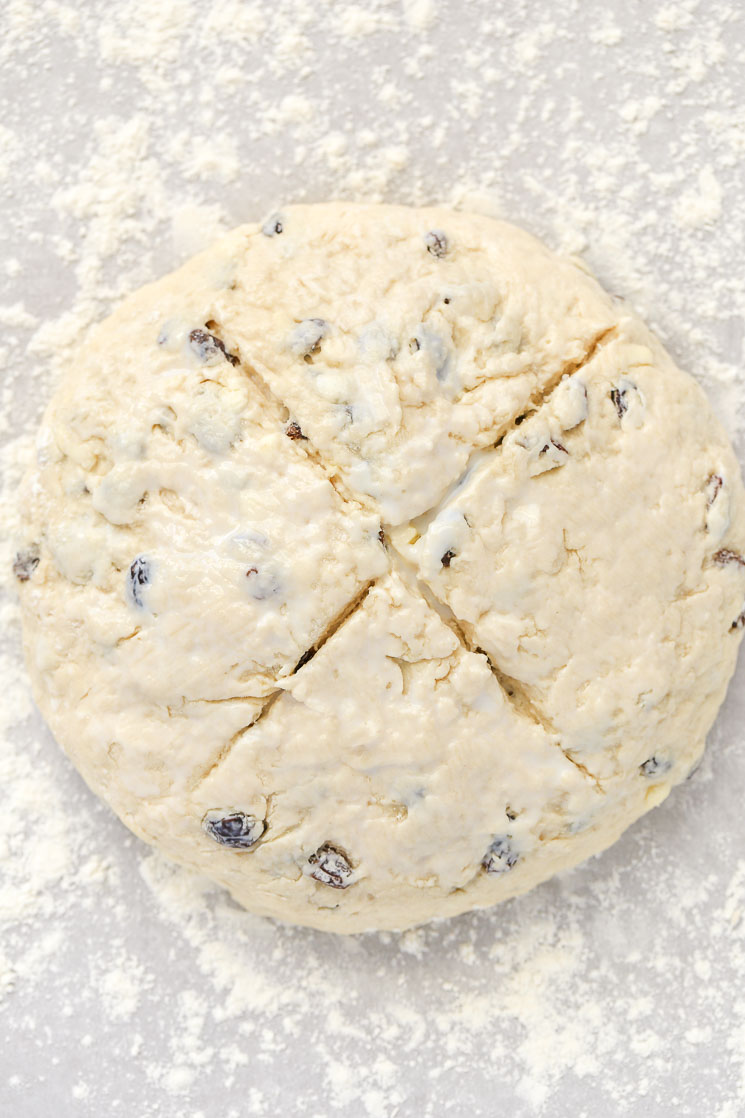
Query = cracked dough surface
x=379 y=565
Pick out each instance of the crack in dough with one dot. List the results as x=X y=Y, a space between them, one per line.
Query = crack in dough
x=224 y=752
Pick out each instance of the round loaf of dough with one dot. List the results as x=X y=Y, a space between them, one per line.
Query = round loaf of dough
x=378 y=565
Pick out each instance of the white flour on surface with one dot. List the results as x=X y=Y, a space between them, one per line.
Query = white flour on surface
x=132 y=134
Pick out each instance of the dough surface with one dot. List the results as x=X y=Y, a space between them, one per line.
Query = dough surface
x=378 y=565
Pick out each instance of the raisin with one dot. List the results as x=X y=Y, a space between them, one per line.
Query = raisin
x=273 y=226
x=293 y=431
x=436 y=242
x=449 y=554
x=139 y=576
x=501 y=855
x=208 y=346
x=655 y=765
x=725 y=556
x=307 y=336
x=25 y=563
x=713 y=485
x=237 y=830
x=307 y=655
x=553 y=442
x=331 y=866
x=262 y=585
x=618 y=396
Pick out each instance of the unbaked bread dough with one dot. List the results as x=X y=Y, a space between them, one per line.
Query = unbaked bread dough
x=379 y=565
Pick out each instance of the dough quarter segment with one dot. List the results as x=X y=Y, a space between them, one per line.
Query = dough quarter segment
x=605 y=623
x=378 y=762
x=417 y=352
x=329 y=571
x=190 y=705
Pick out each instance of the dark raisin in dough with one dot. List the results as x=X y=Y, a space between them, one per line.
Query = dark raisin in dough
x=139 y=576
x=273 y=226
x=331 y=866
x=25 y=563
x=237 y=830
x=436 y=242
x=501 y=856
x=655 y=765
x=207 y=345
x=725 y=556
x=618 y=396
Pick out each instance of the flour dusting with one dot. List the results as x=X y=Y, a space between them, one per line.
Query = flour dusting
x=133 y=134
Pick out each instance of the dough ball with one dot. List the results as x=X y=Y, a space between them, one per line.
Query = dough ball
x=378 y=565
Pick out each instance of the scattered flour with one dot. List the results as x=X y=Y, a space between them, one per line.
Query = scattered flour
x=130 y=987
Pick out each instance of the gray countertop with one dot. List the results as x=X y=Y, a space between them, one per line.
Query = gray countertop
x=131 y=133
